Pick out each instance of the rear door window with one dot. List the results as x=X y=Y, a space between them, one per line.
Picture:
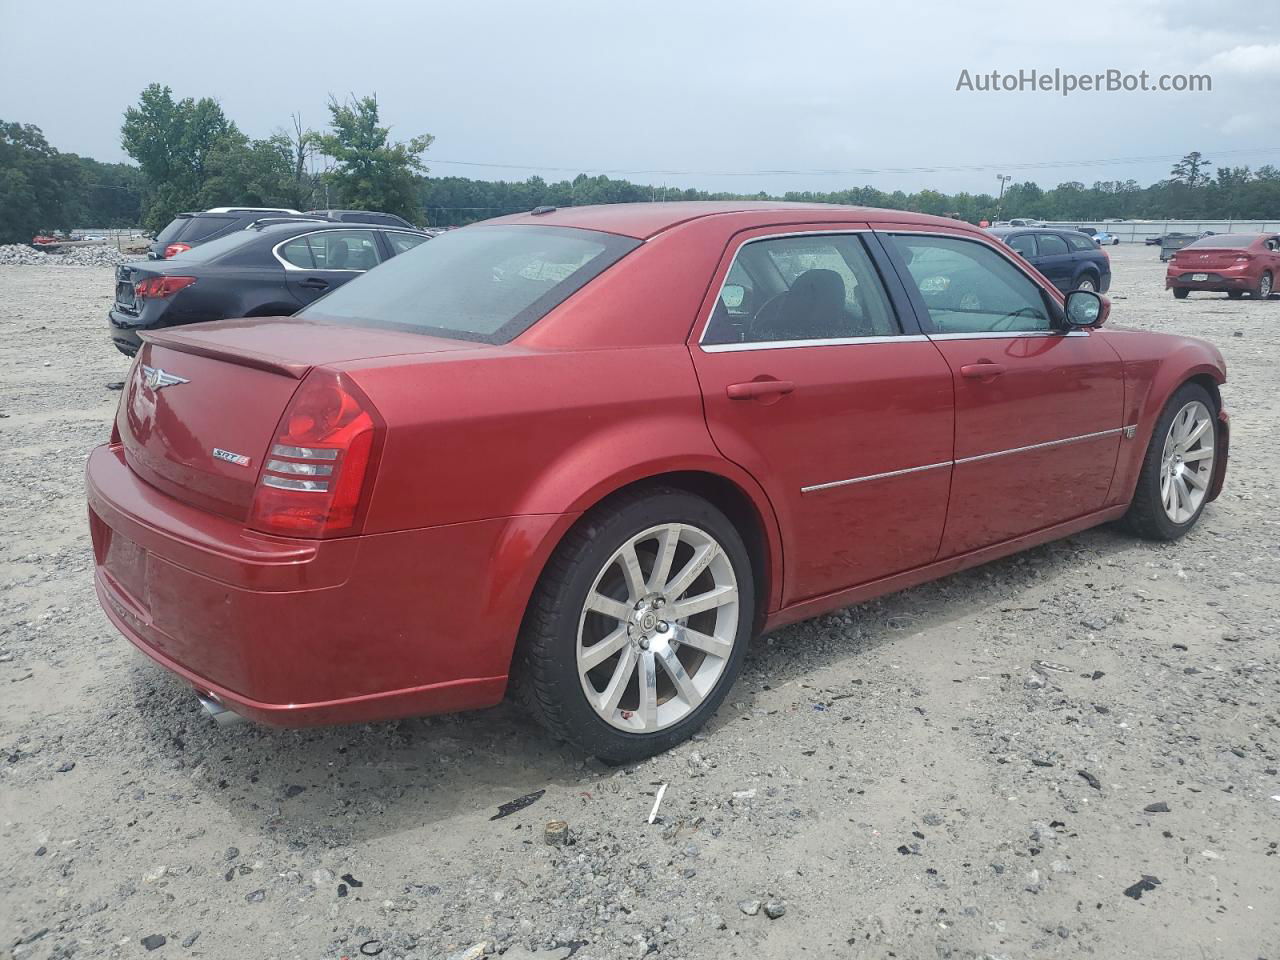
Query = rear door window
x=800 y=288
x=333 y=250
x=1081 y=243
x=1050 y=244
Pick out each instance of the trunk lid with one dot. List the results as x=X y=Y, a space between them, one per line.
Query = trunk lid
x=1200 y=259
x=202 y=403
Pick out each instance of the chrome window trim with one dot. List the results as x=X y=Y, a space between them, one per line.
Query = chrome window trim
x=275 y=252
x=780 y=344
x=789 y=344
x=1004 y=335
x=1128 y=431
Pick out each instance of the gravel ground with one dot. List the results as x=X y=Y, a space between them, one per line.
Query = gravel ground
x=989 y=765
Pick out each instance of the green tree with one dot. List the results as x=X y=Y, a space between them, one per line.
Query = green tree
x=370 y=171
x=1191 y=170
x=40 y=188
x=172 y=140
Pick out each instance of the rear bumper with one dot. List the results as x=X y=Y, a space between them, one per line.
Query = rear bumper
x=1220 y=280
x=124 y=331
x=296 y=632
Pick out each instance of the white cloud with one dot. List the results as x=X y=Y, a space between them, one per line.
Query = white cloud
x=1251 y=60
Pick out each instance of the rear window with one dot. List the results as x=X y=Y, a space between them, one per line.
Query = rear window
x=205 y=226
x=488 y=284
x=170 y=233
x=1224 y=241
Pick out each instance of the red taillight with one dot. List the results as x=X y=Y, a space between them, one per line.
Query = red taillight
x=1244 y=257
x=317 y=471
x=173 y=249
x=159 y=287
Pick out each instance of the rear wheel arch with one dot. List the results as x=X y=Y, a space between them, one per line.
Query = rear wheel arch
x=751 y=515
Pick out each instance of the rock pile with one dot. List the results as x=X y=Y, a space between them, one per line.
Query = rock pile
x=17 y=254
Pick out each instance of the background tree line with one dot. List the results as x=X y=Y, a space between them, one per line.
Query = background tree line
x=188 y=155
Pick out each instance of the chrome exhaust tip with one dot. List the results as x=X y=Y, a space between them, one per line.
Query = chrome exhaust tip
x=220 y=714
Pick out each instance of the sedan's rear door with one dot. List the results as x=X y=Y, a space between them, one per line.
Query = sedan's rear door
x=317 y=262
x=816 y=380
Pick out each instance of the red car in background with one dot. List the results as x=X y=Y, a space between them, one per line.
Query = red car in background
x=596 y=450
x=1230 y=263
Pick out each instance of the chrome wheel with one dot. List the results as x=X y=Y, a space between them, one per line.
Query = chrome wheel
x=657 y=628
x=1086 y=284
x=1187 y=462
x=1264 y=286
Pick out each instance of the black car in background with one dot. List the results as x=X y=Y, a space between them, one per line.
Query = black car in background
x=188 y=230
x=1069 y=258
x=362 y=216
x=273 y=268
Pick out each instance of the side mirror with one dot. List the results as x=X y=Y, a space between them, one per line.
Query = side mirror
x=733 y=294
x=1085 y=309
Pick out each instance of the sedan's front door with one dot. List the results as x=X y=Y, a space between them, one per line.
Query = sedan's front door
x=318 y=262
x=1038 y=410
x=844 y=416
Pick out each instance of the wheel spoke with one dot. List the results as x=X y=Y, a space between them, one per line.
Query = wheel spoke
x=679 y=676
x=668 y=540
x=607 y=701
x=608 y=606
x=697 y=563
x=704 y=601
x=1197 y=454
x=1167 y=494
x=1195 y=434
x=648 y=711
x=599 y=652
x=712 y=646
x=1197 y=481
x=631 y=571
x=1184 y=495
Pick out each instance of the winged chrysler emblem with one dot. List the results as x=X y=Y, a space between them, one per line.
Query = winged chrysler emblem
x=158 y=379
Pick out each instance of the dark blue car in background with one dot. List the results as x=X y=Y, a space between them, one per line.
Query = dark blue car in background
x=1069 y=258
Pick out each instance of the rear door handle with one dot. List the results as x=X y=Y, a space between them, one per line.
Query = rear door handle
x=755 y=389
x=982 y=370
x=314 y=283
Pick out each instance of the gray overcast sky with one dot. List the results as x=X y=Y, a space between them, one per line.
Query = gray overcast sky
x=683 y=86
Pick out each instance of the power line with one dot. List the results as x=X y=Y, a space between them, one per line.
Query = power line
x=858 y=171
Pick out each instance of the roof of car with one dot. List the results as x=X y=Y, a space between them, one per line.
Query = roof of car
x=644 y=220
x=1004 y=231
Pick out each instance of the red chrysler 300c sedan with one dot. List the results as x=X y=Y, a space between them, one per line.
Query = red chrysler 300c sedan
x=595 y=450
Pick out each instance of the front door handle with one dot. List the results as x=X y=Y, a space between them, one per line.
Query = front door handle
x=758 y=389
x=982 y=370
x=314 y=283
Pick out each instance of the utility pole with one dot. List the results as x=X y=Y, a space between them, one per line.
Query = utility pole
x=1003 y=178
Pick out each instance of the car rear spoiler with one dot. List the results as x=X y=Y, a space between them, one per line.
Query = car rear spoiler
x=198 y=346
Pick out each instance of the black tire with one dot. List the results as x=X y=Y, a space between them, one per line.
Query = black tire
x=1086 y=281
x=1146 y=516
x=1180 y=293
x=1266 y=286
x=546 y=673
x=1235 y=294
